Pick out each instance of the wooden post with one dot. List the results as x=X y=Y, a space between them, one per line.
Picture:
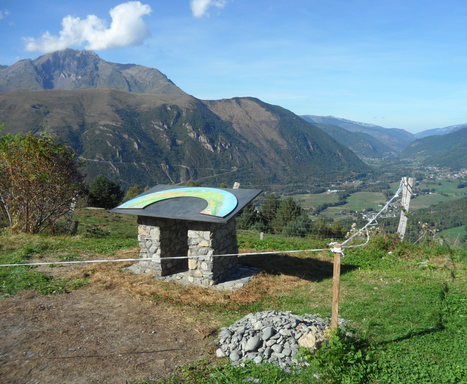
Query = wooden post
x=407 y=186
x=336 y=282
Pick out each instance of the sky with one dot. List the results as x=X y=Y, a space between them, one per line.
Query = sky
x=394 y=63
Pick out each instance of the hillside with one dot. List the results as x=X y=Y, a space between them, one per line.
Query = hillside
x=439 y=131
x=362 y=144
x=449 y=150
x=394 y=138
x=71 y=69
x=149 y=139
x=274 y=129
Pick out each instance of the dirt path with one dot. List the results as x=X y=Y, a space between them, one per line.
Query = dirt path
x=93 y=336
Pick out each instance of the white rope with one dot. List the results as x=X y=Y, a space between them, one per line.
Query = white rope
x=365 y=227
x=159 y=259
x=362 y=244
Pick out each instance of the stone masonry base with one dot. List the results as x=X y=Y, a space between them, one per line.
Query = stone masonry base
x=165 y=238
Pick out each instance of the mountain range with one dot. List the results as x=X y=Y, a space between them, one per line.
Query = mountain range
x=440 y=131
x=70 y=69
x=393 y=139
x=447 y=150
x=159 y=134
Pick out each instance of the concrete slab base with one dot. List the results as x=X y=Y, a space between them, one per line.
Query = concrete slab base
x=236 y=280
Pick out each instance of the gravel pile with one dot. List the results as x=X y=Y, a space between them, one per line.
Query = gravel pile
x=271 y=336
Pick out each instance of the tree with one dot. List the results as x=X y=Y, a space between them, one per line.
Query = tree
x=268 y=209
x=288 y=210
x=132 y=192
x=248 y=218
x=39 y=180
x=300 y=226
x=104 y=193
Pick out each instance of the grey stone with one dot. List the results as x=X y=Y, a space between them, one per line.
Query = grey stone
x=258 y=359
x=267 y=333
x=234 y=356
x=253 y=344
x=277 y=348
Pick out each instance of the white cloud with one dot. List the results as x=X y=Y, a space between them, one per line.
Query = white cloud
x=4 y=13
x=127 y=28
x=200 y=7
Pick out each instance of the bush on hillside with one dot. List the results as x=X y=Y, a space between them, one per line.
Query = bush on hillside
x=39 y=181
x=104 y=193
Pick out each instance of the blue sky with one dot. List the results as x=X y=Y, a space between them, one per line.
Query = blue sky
x=395 y=63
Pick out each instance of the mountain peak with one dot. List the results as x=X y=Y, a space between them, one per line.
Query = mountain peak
x=76 y=69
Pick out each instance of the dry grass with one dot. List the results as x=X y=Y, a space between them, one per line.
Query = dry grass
x=272 y=283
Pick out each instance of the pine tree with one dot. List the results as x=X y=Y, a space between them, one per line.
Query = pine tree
x=287 y=211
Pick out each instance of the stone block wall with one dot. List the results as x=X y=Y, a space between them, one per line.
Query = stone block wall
x=161 y=238
x=206 y=240
x=168 y=237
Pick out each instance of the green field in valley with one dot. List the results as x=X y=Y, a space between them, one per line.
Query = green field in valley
x=314 y=200
x=454 y=236
x=358 y=201
x=425 y=201
x=364 y=200
x=440 y=191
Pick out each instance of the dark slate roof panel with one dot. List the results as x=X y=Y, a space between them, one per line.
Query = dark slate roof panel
x=188 y=208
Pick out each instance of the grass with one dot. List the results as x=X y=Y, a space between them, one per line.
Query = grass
x=100 y=235
x=314 y=200
x=425 y=201
x=454 y=236
x=407 y=302
x=443 y=190
x=359 y=201
x=444 y=186
x=364 y=200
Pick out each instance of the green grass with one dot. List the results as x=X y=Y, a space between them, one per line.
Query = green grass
x=16 y=279
x=407 y=301
x=455 y=236
x=443 y=190
x=444 y=186
x=358 y=201
x=364 y=200
x=425 y=201
x=314 y=200
x=100 y=234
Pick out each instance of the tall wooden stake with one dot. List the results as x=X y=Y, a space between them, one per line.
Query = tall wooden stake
x=407 y=185
x=336 y=282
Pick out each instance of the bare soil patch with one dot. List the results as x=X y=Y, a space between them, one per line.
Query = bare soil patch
x=94 y=335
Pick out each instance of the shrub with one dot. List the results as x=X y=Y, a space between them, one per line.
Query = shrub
x=104 y=193
x=39 y=180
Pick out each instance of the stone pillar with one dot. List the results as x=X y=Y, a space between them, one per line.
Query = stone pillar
x=161 y=238
x=206 y=240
